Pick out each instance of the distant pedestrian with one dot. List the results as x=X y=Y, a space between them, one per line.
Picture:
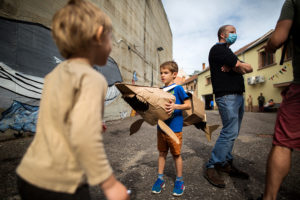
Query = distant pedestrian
x=261 y=102
x=212 y=104
x=250 y=103
x=269 y=106
x=287 y=128
x=228 y=86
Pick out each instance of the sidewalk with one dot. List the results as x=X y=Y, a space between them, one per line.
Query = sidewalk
x=134 y=160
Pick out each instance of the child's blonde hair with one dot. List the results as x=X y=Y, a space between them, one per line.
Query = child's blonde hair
x=76 y=25
x=171 y=65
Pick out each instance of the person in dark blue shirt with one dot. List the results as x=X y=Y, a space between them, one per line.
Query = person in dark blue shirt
x=168 y=73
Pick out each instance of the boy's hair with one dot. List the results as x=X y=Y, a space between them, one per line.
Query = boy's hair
x=171 y=65
x=222 y=30
x=76 y=24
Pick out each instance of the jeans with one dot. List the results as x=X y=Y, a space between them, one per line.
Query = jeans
x=231 y=109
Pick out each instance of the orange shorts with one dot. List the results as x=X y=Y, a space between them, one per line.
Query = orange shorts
x=164 y=143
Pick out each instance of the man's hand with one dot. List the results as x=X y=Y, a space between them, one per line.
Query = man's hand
x=225 y=68
x=240 y=67
x=239 y=70
x=170 y=107
x=268 y=48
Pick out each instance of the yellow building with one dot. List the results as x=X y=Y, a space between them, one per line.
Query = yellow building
x=190 y=84
x=268 y=77
x=204 y=87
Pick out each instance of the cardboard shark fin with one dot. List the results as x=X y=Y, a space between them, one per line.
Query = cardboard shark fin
x=166 y=129
x=135 y=126
x=208 y=131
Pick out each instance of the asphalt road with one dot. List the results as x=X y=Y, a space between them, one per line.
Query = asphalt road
x=134 y=160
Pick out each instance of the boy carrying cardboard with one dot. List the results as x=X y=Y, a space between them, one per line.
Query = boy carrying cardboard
x=67 y=152
x=168 y=72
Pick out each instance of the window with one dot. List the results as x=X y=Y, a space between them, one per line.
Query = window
x=265 y=59
x=208 y=80
x=289 y=51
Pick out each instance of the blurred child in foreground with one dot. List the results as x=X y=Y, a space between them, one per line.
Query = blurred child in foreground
x=67 y=152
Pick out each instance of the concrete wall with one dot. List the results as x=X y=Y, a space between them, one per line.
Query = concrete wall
x=139 y=28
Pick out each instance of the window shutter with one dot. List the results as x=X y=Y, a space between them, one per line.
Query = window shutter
x=259 y=60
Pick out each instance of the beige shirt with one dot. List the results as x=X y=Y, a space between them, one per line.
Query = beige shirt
x=68 y=149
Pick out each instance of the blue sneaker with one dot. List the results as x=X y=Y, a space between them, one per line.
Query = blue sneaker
x=158 y=185
x=178 y=188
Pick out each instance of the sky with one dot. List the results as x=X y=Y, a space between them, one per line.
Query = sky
x=195 y=23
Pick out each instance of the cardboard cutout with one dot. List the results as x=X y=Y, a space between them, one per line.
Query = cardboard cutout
x=150 y=103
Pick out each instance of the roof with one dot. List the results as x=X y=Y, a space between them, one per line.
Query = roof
x=254 y=43
x=206 y=69
x=194 y=77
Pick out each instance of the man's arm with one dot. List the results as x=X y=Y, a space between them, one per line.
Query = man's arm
x=242 y=67
x=231 y=62
x=279 y=35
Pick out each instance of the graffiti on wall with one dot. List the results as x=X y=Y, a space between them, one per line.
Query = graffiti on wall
x=27 y=54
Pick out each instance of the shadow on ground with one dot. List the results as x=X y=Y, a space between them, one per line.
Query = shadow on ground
x=134 y=160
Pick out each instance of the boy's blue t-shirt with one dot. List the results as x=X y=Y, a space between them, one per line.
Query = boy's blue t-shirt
x=175 y=122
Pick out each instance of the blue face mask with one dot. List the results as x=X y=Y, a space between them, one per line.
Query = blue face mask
x=231 y=38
